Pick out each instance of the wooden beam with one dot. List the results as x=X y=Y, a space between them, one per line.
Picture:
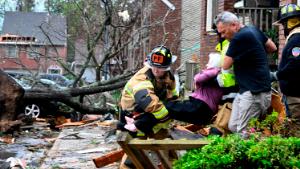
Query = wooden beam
x=164 y=159
x=138 y=157
x=108 y=158
x=138 y=150
x=167 y=144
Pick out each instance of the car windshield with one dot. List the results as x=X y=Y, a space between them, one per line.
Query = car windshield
x=27 y=81
x=59 y=79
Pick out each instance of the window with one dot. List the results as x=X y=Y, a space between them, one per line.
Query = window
x=211 y=12
x=12 y=51
x=54 y=71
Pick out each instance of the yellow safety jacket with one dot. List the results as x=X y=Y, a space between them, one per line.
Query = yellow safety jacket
x=165 y=89
x=226 y=78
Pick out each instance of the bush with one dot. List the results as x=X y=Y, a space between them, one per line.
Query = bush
x=234 y=152
x=276 y=151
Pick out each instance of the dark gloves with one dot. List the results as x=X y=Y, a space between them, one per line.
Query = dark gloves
x=145 y=122
x=273 y=76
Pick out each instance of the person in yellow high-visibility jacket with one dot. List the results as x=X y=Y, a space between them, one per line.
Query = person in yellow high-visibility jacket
x=226 y=77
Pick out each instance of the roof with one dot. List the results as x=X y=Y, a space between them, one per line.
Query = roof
x=38 y=25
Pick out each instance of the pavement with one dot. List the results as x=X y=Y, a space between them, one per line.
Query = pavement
x=75 y=147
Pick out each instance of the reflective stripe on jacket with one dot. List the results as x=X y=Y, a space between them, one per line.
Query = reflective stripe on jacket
x=225 y=78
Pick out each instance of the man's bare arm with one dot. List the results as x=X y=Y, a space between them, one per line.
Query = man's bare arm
x=270 y=46
x=228 y=61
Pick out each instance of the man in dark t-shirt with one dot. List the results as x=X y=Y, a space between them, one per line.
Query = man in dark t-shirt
x=247 y=52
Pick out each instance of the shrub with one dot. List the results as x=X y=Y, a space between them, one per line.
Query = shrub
x=234 y=152
x=276 y=151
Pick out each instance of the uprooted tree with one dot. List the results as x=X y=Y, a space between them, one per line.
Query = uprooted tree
x=119 y=28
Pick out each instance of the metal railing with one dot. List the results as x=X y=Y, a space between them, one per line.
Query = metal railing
x=260 y=17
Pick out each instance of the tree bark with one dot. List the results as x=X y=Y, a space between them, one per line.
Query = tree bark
x=67 y=96
x=10 y=96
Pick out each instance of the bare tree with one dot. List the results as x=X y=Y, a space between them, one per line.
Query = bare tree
x=114 y=35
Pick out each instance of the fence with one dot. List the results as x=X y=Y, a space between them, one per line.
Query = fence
x=260 y=17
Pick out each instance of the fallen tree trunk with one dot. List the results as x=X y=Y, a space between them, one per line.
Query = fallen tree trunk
x=69 y=93
x=10 y=96
x=67 y=96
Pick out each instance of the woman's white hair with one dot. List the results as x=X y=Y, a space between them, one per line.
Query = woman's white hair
x=214 y=60
x=226 y=17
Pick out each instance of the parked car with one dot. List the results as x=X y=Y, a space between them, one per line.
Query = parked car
x=49 y=80
x=35 y=107
x=59 y=79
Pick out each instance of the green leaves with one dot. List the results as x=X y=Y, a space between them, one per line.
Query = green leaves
x=235 y=152
x=276 y=151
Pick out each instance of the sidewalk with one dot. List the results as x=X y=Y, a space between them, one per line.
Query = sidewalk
x=75 y=147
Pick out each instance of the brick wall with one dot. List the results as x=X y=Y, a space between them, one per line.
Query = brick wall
x=172 y=27
x=23 y=61
x=208 y=40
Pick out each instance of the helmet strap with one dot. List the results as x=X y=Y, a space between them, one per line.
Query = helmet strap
x=288 y=30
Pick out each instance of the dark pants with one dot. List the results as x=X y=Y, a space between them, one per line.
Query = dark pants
x=192 y=111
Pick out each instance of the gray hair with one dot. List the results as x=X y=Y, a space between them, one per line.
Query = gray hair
x=226 y=17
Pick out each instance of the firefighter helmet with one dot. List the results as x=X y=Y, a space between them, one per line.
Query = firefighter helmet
x=160 y=57
x=288 y=11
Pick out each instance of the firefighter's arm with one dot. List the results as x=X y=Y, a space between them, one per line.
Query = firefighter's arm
x=147 y=102
x=270 y=46
x=228 y=62
x=150 y=103
x=289 y=71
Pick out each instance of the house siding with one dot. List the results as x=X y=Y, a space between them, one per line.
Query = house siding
x=24 y=62
x=190 y=42
x=23 y=30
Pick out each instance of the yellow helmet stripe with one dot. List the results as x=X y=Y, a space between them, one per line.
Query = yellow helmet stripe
x=163 y=52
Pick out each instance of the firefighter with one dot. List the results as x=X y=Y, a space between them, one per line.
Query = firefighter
x=143 y=112
x=289 y=66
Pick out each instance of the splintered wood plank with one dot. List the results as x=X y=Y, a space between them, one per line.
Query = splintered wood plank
x=167 y=144
x=108 y=158
x=164 y=159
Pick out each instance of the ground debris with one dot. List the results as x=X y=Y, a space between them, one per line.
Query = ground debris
x=7 y=139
